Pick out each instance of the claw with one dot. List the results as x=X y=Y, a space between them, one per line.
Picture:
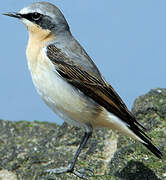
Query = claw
x=82 y=173
x=59 y=170
x=86 y=169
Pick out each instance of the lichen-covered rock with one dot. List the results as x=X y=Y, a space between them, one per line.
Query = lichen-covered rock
x=5 y=174
x=132 y=160
x=27 y=149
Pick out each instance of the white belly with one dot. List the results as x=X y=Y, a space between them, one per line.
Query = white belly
x=68 y=102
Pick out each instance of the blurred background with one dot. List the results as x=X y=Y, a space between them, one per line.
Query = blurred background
x=126 y=39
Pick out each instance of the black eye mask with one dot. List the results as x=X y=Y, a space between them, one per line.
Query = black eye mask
x=43 y=21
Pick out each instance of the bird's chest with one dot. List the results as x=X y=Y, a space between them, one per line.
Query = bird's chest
x=55 y=91
x=58 y=94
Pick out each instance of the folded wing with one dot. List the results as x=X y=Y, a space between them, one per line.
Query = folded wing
x=100 y=91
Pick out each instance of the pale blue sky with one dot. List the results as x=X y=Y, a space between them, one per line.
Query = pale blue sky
x=126 y=39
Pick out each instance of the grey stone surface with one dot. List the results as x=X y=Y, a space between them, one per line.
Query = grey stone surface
x=27 y=149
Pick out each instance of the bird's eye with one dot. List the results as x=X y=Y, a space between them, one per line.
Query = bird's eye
x=36 y=16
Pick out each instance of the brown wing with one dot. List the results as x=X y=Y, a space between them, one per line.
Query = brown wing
x=97 y=89
x=100 y=91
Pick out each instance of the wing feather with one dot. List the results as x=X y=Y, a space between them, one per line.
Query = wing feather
x=98 y=90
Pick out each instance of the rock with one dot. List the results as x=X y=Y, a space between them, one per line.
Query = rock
x=27 y=149
x=4 y=175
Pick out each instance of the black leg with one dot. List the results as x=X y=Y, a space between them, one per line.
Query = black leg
x=70 y=167
x=81 y=146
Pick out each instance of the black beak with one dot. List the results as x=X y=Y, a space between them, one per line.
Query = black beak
x=15 y=15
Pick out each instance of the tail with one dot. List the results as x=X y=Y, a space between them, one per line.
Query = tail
x=146 y=141
x=131 y=129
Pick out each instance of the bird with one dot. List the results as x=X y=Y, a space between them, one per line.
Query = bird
x=70 y=83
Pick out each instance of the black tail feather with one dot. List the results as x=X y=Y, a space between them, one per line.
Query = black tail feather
x=153 y=149
x=147 y=141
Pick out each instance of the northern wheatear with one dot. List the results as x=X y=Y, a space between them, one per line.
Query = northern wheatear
x=69 y=82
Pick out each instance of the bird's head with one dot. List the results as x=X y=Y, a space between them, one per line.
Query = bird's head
x=42 y=17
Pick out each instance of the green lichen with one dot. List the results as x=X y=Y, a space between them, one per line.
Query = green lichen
x=30 y=148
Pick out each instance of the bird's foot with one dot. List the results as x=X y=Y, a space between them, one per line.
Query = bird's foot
x=82 y=173
x=60 y=170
